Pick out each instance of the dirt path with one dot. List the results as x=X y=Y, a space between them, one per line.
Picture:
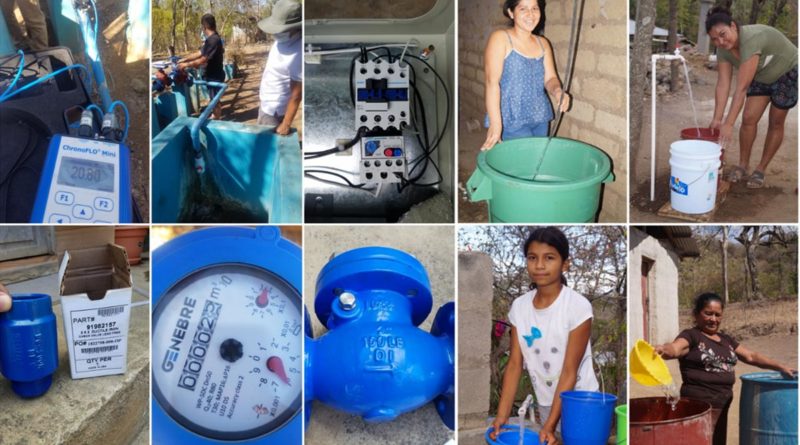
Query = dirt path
x=779 y=347
x=777 y=202
x=130 y=83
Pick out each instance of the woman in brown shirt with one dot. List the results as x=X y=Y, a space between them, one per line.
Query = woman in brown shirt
x=707 y=358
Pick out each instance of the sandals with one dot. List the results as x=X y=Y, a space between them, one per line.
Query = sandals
x=737 y=174
x=756 y=180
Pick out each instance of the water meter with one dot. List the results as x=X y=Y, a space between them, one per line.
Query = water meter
x=227 y=334
x=84 y=181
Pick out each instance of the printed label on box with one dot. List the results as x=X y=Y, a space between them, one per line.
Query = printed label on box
x=98 y=340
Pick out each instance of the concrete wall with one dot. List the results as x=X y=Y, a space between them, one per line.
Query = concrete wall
x=599 y=112
x=474 y=328
x=663 y=323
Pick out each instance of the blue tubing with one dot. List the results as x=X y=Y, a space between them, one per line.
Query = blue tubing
x=16 y=77
x=127 y=116
x=201 y=121
x=42 y=79
x=96 y=108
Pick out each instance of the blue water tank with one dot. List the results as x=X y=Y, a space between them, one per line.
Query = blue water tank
x=768 y=409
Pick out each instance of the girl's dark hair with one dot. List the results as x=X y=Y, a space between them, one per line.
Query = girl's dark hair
x=552 y=236
x=717 y=15
x=511 y=4
x=703 y=299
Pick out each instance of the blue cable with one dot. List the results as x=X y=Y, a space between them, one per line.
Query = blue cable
x=16 y=77
x=98 y=109
x=42 y=79
x=127 y=116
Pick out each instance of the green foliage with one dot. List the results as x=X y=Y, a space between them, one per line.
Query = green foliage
x=689 y=11
x=776 y=266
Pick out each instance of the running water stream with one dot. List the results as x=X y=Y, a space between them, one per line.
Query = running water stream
x=522 y=412
x=691 y=96
x=672 y=395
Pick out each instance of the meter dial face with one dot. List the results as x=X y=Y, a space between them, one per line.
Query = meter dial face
x=227 y=352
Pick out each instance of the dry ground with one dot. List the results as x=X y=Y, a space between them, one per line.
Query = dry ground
x=777 y=202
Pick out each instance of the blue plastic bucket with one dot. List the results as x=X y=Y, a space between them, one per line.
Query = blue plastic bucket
x=509 y=435
x=586 y=417
x=768 y=409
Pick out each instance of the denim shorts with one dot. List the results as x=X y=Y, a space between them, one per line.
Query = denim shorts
x=527 y=131
x=782 y=92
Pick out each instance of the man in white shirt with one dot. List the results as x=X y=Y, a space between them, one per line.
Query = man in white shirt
x=282 y=82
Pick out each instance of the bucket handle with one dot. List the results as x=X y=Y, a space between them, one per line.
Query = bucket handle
x=609 y=178
x=701 y=175
x=479 y=187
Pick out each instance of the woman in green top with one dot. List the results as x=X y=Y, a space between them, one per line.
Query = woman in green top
x=767 y=72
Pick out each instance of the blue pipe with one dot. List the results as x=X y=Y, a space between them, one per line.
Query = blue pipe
x=201 y=121
x=90 y=40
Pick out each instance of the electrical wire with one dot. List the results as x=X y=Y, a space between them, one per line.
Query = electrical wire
x=16 y=77
x=338 y=148
x=42 y=79
x=308 y=173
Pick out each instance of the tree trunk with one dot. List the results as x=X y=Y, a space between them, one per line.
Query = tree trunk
x=755 y=10
x=174 y=21
x=750 y=238
x=186 y=9
x=672 y=43
x=640 y=61
x=779 y=5
x=725 y=295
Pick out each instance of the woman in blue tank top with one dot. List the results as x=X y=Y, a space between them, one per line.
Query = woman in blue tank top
x=520 y=72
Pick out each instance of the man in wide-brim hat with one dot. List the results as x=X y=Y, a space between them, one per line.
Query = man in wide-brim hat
x=282 y=82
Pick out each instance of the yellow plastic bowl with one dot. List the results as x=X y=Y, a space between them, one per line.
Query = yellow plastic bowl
x=647 y=367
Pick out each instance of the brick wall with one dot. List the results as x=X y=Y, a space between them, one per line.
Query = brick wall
x=599 y=112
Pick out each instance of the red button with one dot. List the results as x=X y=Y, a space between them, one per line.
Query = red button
x=388 y=152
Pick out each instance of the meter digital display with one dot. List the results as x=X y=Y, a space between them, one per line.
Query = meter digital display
x=84 y=181
x=227 y=333
x=86 y=174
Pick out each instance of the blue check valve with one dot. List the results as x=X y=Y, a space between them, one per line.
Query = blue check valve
x=29 y=344
x=375 y=361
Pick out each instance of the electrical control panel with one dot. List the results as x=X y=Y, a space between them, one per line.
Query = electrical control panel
x=382 y=94
x=383 y=159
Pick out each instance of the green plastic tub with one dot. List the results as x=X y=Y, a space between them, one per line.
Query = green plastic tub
x=622 y=424
x=567 y=187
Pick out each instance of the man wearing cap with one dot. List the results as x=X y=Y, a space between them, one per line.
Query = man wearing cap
x=210 y=56
x=282 y=82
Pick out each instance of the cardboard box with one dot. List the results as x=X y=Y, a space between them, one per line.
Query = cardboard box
x=95 y=287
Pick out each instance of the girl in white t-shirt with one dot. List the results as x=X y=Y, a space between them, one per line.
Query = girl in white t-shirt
x=551 y=326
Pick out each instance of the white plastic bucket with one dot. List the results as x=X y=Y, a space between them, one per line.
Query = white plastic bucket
x=693 y=175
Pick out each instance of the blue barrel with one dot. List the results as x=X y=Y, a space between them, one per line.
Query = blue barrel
x=768 y=409
x=586 y=417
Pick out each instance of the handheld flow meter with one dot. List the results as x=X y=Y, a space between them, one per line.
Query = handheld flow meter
x=227 y=334
x=84 y=181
